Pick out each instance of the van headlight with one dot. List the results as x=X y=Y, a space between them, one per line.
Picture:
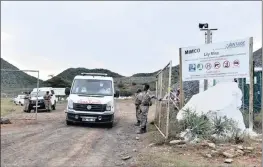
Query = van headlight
x=70 y=104
x=108 y=106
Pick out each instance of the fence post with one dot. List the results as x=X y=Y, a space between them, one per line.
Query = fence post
x=251 y=85
x=168 y=108
x=161 y=85
x=181 y=80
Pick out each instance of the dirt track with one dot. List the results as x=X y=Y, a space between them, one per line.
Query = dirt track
x=50 y=142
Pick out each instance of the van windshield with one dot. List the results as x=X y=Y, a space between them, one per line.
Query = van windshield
x=92 y=87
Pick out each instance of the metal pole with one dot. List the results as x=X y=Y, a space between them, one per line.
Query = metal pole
x=251 y=85
x=37 y=93
x=156 y=100
x=208 y=40
x=243 y=98
x=160 y=109
x=168 y=108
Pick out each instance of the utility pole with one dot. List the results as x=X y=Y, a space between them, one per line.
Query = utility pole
x=208 y=40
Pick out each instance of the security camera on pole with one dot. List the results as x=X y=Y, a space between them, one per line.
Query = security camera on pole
x=208 y=40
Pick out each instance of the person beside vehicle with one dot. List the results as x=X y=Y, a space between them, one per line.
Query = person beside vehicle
x=26 y=102
x=145 y=104
x=47 y=101
x=138 y=100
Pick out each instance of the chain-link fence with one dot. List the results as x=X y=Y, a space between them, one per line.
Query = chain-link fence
x=14 y=86
x=244 y=86
x=163 y=85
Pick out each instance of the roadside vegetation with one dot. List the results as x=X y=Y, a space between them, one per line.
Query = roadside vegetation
x=7 y=106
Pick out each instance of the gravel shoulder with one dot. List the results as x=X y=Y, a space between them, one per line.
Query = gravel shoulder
x=50 y=142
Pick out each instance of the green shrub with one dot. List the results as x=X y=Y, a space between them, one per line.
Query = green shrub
x=199 y=126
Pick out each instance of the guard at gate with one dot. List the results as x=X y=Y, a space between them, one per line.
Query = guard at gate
x=47 y=102
x=26 y=102
x=138 y=101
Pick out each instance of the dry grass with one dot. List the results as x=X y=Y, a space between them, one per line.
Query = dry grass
x=7 y=106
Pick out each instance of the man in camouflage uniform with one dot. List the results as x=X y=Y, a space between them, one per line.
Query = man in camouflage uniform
x=26 y=102
x=138 y=101
x=47 y=98
x=145 y=104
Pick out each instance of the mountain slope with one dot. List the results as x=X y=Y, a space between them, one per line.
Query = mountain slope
x=65 y=78
x=257 y=55
x=15 y=79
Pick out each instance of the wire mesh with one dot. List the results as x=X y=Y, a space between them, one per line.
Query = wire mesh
x=14 y=86
x=163 y=92
x=244 y=86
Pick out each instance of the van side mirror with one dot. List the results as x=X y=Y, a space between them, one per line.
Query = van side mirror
x=67 y=91
x=117 y=94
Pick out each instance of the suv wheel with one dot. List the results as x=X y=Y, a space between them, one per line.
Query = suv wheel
x=110 y=125
x=54 y=106
x=68 y=122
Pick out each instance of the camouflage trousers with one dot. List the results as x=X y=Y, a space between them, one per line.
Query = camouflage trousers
x=144 y=115
x=138 y=113
x=47 y=105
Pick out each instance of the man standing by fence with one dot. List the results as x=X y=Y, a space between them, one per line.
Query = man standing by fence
x=138 y=101
x=146 y=103
x=26 y=102
x=47 y=98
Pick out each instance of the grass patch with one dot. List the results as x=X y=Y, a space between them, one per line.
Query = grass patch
x=7 y=106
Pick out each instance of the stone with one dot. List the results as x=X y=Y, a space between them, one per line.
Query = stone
x=5 y=121
x=211 y=145
x=152 y=144
x=137 y=138
x=240 y=152
x=213 y=152
x=229 y=161
x=177 y=142
x=126 y=157
x=240 y=147
x=249 y=148
x=228 y=155
x=134 y=150
x=208 y=155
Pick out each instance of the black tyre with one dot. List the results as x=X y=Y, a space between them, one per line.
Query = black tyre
x=54 y=106
x=110 y=125
x=68 y=122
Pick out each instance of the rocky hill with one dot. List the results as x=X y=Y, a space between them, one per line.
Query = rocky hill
x=15 y=81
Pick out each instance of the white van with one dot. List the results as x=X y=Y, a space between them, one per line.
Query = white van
x=41 y=93
x=91 y=99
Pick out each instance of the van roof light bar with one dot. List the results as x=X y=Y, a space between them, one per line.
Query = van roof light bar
x=94 y=74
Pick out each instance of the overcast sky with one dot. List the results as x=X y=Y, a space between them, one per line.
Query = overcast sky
x=125 y=37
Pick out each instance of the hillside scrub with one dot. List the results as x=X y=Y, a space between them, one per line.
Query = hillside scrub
x=218 y=129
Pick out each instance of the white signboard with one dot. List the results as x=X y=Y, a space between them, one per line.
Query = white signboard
x=217 y=60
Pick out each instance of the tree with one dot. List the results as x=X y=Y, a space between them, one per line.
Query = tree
x=120 y=85
x=57 y=82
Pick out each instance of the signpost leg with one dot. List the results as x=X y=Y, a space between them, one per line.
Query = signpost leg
x=251 y=85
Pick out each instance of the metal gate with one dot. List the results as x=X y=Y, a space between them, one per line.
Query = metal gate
x=162 y=112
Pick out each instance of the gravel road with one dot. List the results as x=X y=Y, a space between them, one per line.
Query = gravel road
x=50 y=142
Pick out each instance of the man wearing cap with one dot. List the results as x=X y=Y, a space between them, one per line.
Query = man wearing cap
x=47 y=98
x=145 y=104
